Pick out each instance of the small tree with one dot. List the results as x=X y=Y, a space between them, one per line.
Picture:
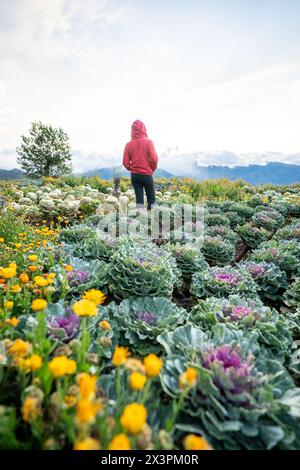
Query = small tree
x=45 y=152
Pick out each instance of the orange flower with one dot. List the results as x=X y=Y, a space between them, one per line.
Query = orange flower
x=24 y=278
x=120 y=355
x=32 y=268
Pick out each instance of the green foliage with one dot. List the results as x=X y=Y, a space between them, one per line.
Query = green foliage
x=218 y=252
x=253 y=236
x=189 y=259
x=222 y=282
x=292 y=294
x=45 y=152
x=139 y=321
x=245 y=314
x=271 y=281
x=138 y=270
x=285 y=254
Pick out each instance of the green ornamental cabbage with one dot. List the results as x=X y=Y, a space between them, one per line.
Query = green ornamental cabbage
x=139 y=270
x=218 y=252
x=222 y=282
x=140 y=321
x=246 y=314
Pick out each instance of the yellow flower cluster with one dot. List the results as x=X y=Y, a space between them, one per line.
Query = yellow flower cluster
x=61 y=365
x=87 y=407
x=188 y=378
x=194 y=442
x=134 y=418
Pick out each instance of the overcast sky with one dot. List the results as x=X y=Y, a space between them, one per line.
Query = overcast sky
x=209 y=76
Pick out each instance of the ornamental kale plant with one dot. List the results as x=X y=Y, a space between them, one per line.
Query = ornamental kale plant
x=189 y=259
x=245 y=314
x=94 y=248
x=270 y=280
x=140 y=321
x=269 y=220
x=283 y=253
x=216 y=219
x=289 y=232
x=222 y=282
x=139 y=270
x=292 y=294
x=243 y=211
x=223 y=232
x=83 y=276
x=76 y=234
x=242 y=397
x=253 y=236
x=234 y=219
x=62 y=323
x=218 y=252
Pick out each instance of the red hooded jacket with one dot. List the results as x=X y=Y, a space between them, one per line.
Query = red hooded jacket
x=139 y=154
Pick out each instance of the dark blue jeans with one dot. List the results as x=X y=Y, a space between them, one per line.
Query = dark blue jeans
x=140 y=183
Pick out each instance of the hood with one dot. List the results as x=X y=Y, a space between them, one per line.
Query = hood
x=138 y=130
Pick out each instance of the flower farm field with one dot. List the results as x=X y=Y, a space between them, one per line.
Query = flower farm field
x=122 y=343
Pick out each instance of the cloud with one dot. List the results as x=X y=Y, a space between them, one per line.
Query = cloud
x=201 y=75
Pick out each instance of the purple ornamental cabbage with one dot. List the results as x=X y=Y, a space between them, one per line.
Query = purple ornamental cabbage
x=76 y=277
x=147 y=317
x=232 y=374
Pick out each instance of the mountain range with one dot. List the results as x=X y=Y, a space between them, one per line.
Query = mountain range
x=273 y=172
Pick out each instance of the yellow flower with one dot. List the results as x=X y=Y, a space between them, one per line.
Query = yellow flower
x=153 y=364
x=35 y=362
x=12 y=321
x=85 y=308
x=30 y=364
x=30 y=409
x=1 y=240
x=24 y=278
x=8 y=273
x=95 y=296
x=134 y=418
x=194 y=442
x=105 y=325
x=120 y=355
x=61 y=365
x=40 y=281
x=119 y=442
x=87 y=444
x=9 y=305
x=68 y=267
x=16 y=288
x=32 y=268
x=86 y=411
x=39 y=305
x=70 y=400
x=137 y=381
x=188 y=378
x=32 y=258
x=87 y=385
x=19 y=348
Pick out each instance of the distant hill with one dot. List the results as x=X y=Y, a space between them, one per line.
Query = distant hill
x=14 y=174
x=107 y=173
x=276 y=173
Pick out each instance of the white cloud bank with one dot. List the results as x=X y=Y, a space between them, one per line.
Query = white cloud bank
x=201 y=75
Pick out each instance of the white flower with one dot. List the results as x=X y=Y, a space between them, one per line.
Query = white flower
x=32 y=196
x=25 y=201
x=47 y=203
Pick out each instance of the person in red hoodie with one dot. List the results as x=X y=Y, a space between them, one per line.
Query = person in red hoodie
x=140 y=158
